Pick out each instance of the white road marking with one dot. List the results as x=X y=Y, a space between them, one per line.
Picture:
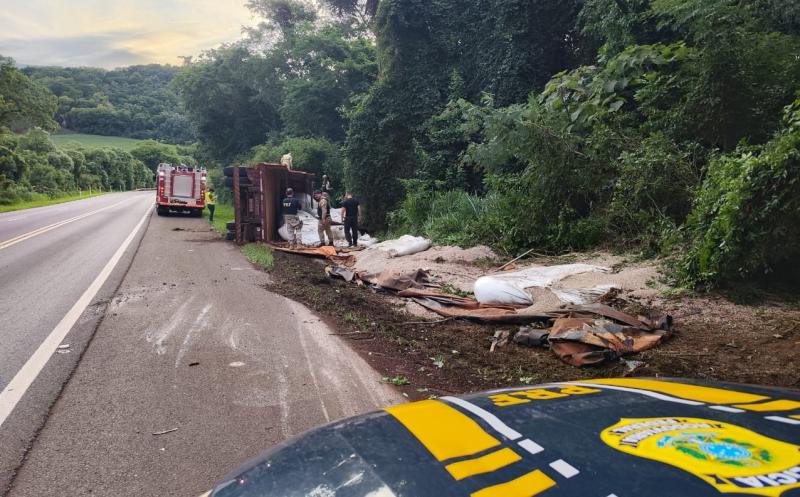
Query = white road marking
x=12 y=219
x=485 y=415
x=564 y=468
x=14 y=391
x=655 y=395
x=21 y=238
x=781 y=419
x=531 y=446
x=726 y=409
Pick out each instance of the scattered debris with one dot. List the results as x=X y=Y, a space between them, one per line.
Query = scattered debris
x=500 y=339
x=532 y=337
x=509 y=288
x=63 y=346
x=159 y=433
x=397 y=381
x=192 y=364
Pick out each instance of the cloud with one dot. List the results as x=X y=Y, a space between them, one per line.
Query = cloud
x=77 y=51
x=115 y=33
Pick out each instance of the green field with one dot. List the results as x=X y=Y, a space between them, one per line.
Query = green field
x=95 y=141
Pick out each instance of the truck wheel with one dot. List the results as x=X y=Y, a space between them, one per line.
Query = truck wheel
x=161 y=211
x=231 y=226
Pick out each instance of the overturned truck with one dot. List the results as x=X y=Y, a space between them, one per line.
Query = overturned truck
x=257 y=194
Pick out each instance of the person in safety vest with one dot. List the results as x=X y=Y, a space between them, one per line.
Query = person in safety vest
x=211 y=203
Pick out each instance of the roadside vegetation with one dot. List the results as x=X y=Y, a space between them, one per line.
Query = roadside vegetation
x=259 y=255
x=223 y=214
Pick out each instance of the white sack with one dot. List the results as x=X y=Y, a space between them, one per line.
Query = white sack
x=405 y=245
x=490 y=290
x=497 y=289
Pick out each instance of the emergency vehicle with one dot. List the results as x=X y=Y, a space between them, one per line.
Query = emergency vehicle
x=181 y=188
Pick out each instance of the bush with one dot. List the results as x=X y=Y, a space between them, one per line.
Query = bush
x=745 y=221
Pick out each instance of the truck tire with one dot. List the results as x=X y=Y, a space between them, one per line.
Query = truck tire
x=231 y=236
x=161 y=211
x=228 y=171
x=230 y=226
x=197 y=212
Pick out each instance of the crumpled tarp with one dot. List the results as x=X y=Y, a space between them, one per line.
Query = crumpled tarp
x=325 y=251
x=398 y=281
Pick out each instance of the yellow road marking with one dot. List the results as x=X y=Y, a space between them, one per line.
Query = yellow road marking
x=485 y=464
x=527 y=485
x=683 y=391
x=796 y=416
x=444 y=431
x=773 y=405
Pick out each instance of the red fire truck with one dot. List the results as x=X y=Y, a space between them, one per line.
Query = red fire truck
x=181 y=188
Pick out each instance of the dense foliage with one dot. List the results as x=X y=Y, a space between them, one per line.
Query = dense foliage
x=649 y=124
x=135 y=102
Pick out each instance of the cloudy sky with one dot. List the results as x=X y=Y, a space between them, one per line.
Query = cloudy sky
x=115 y=33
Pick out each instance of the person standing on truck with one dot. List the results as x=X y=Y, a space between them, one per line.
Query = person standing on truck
x=290 y=206
x=324 y=227
x=326 y=185
x=211 y=203
x=351 y=211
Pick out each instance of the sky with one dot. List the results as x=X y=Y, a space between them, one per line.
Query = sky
x=116 y=33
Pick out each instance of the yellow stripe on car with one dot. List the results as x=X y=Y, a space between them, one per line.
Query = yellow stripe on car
x=444 y=431
x=771 y=406
x=484 y=464
x=527 y=485
x=683 y=391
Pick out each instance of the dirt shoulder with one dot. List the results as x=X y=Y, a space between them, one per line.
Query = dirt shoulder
x=714 y=339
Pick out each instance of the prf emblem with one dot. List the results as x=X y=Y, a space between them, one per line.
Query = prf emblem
x=729 y=457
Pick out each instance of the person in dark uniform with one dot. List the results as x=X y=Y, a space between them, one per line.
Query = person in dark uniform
x=351 y=211
x=290 y=206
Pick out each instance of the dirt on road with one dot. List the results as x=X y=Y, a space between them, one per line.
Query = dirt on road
x=714 y=338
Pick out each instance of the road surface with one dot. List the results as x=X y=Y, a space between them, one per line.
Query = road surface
x=195 y=368
x=49 y=258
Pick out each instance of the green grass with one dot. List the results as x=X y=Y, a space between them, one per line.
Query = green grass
x=259 y=254
x=223 y=214
x=44 y=200
x=94 y=141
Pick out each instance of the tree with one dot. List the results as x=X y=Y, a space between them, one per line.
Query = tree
x=23 y=103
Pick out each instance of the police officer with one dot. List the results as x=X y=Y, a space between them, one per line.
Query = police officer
x=351 y=211
x=324 y=227
x=290 y=206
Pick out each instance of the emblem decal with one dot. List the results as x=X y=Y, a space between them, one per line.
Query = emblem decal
x=730 y=458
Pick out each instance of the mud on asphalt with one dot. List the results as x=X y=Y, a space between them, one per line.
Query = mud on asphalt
x=714 y=339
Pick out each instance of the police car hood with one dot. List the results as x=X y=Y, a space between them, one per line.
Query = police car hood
x=595 y=438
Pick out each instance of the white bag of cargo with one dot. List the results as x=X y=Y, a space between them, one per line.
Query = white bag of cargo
x=509 y=288
x=405 y=245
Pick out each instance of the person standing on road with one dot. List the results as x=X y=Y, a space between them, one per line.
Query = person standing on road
x=290 y=206
x=211 y=203
x=324 y=227
x=351 y=211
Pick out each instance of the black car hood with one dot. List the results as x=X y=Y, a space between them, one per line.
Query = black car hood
x=597 y=438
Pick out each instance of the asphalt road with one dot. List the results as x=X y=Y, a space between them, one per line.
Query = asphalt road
x=49 y=257
x=195 y=368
